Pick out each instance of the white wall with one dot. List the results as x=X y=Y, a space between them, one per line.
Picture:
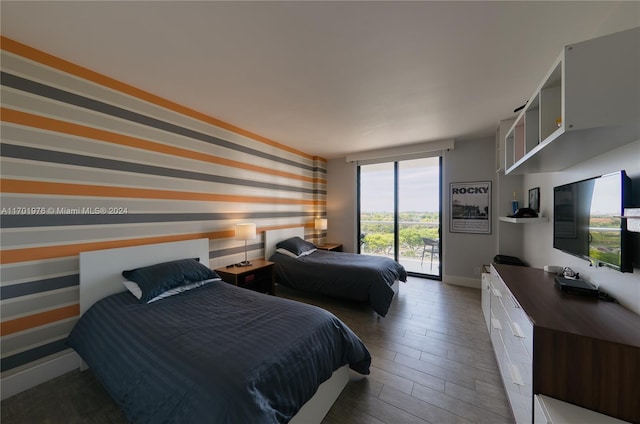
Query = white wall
x=464 y=254
x=342 y=199
x=538 y=242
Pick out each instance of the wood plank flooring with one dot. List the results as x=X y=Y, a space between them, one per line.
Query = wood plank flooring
x=432 y=363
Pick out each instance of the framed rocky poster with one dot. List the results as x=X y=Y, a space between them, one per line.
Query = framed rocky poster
x=470 y=207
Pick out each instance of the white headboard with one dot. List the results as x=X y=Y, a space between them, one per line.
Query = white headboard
x=101 y=270
x=273 y=237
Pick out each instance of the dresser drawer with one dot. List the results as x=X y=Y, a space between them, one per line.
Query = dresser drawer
x=521 y=326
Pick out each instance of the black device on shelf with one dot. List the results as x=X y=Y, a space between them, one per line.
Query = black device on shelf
x=587 y=220
x=576 y=286
x=508 y=260
x=524 y=213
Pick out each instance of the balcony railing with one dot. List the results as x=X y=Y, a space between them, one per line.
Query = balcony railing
x=415 y=255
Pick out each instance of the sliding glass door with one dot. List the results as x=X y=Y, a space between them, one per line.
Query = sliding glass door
x=377 y=209
x=399 y=213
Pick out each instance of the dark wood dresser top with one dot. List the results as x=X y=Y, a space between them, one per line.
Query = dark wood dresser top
x=548 y=307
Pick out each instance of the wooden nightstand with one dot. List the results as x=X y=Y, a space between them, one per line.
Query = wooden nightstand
x=336 y=247
x=259 y=276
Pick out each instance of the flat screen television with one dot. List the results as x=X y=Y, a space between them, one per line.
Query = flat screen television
x=587 y=223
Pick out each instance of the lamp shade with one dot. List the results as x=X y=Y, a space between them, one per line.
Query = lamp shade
x=321 y=223
x=245 y=231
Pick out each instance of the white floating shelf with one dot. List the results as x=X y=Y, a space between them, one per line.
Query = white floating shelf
x=524 y=220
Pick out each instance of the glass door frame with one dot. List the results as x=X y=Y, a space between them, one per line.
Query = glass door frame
x=396 y=218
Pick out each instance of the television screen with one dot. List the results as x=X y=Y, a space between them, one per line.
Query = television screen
x=587 y=223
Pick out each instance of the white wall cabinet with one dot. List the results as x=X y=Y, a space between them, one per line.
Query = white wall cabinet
x=587 y=104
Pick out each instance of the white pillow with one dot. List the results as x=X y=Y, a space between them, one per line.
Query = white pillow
x=286 y=252
x=293 y=255
x=135 y=289
x=307 y=252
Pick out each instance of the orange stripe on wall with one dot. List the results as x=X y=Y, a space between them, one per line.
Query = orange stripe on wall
x=90 y=190
x=49 y=124
x=36 y=320
x=79 y=71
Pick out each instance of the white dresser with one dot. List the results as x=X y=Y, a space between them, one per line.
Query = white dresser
x=563 y=358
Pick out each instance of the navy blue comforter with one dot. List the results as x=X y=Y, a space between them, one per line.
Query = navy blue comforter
x=363 y=278
x=217 y=354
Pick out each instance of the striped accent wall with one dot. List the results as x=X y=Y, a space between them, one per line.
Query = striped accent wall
x=88 y=162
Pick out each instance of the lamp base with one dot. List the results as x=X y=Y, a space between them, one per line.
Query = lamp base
x=244 y=263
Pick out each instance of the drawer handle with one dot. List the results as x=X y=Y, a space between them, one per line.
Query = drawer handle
x=496 y=324
x=515 y=375
x=517 y=331
x=496 y=293
x=515 y=302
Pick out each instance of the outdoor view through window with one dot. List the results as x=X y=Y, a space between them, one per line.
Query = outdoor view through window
x=418 y=213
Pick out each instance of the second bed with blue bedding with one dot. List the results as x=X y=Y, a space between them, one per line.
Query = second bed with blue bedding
x=363 y=278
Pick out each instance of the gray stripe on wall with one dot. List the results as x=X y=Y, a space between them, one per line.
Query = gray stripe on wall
x=57 y=94
x=235 y=250
x=30 y=355
x=52 y=156
x=33 y=287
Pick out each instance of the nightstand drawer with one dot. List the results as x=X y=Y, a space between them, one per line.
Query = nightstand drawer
x=259 y=276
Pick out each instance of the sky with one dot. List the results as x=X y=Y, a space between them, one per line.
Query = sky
x=419 y=186
x=606 y=198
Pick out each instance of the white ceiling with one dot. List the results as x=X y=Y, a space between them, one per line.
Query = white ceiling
x=331 y=77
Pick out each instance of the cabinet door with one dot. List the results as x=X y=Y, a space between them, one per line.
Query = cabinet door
x=260 y=280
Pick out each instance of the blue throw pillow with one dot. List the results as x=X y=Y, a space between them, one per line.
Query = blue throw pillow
x=156 y=279
x=296 y=245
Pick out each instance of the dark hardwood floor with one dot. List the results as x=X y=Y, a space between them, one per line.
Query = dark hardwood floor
x=432 y=363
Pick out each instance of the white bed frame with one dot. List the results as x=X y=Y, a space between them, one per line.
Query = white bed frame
x=273 y=237
x=101 y=275
x=101 y=270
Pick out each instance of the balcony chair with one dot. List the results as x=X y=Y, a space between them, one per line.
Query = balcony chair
x=433 y=246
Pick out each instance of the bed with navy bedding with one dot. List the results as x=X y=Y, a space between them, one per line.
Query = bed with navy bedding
x=362 y=278
x=215 y=353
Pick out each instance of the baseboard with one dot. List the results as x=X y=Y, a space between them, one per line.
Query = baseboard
x=41 y=373
x=474 y=283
